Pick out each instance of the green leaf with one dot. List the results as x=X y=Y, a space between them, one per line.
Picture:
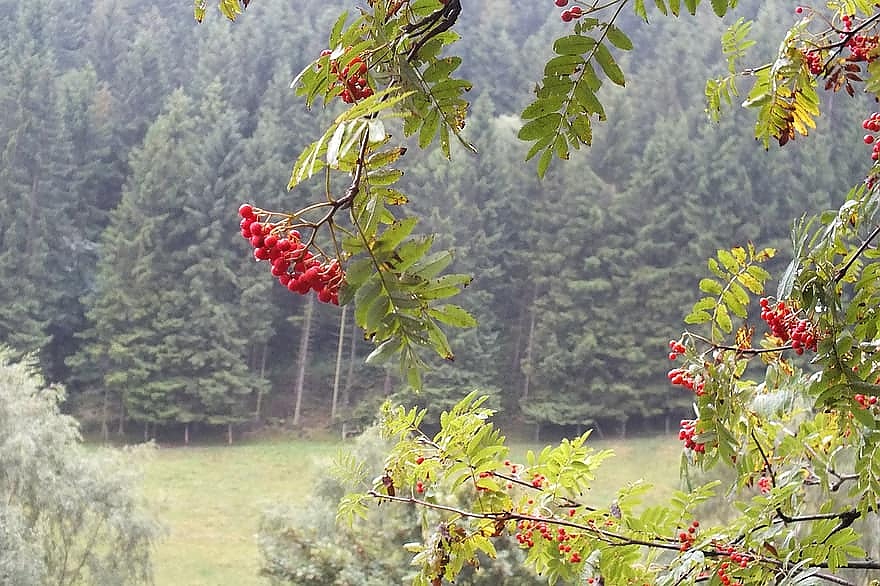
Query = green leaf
x=722 y=318
x=640 y=11
x=728 y=260
x=385 y=351
x=588 y=100
x=453 y=315
x=697 y=317
x=720 y=7
x=540 y=127
x=609 y=66
x=394 y=235
x=543 y=106
x=711 y=286
x=433 y=265
x=618 y=38
x=573 y=45
x=429 y=128
x=544 y=162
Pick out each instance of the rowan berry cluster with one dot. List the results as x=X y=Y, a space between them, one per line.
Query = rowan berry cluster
x=675 y=348
x=293 y=264
x=684 y=378
x=814 y=62
x=686 y=434
x=724 y=577
x=688 y=536
x=862 y=48
x=765 y=484
x=573 y=13
x=785 y=325
x=865 y=401
x=528 y=530
x=351 y=78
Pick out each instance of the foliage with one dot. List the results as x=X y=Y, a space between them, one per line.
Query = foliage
x=794 y=433
x=69 y=516
x=304 y=545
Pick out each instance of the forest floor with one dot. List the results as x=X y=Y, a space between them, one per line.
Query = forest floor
x=210 y=498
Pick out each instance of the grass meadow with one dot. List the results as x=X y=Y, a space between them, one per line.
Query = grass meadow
x=210 y=498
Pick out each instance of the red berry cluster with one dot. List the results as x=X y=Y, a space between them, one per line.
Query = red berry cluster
x=814 y=62
x=420 y=487
x=686 y=379
x=765 y=484
x=292 y=262
x=538 y=480
x=862 y=48
x=686 y=434
x=688 y=536
x=527 y=530
x=573 y=13
x=351 y=77
x=785 y=325
x=865 y=401
x=675 y=348
x=872 y=124
x=724 y=577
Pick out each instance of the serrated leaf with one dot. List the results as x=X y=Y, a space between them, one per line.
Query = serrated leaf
x=540 y=127
x=544 y=162
x=588 y=100
x=722 y=318
x=431 y=266
x=618 y=38
x=453 y=315
x=697 y=317
x=609 y=65
x=640 y=11
x=543 y=106
x=334 y=144
x=728 y=260
x=573 y=45
x=394 y=235
x=711 y=286
x=750 y=283
x=384 y=351
x=429 y=128
x=720 y=7
x=704 y=304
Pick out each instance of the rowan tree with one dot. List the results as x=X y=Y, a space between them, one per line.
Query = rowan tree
x=784 y=384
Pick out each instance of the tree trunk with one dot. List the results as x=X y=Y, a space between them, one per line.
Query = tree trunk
x=336 y=376
x=121 y=429
x=386 y=386
x=349 y=376
x=303 y=358
x=105 y=407
x=529 y=345
x=258 y=415
x=229 y=434
x=146 y=431
x=186 y=434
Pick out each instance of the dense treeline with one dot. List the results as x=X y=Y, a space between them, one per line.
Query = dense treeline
x=128 y=140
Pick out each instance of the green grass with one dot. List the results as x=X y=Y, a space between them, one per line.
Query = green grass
x=210 y=498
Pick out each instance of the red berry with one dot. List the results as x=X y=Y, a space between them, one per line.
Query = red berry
x=562 y=3
x=869 y=138
x=566 y=16
x=799 y=10
x=246 y=211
